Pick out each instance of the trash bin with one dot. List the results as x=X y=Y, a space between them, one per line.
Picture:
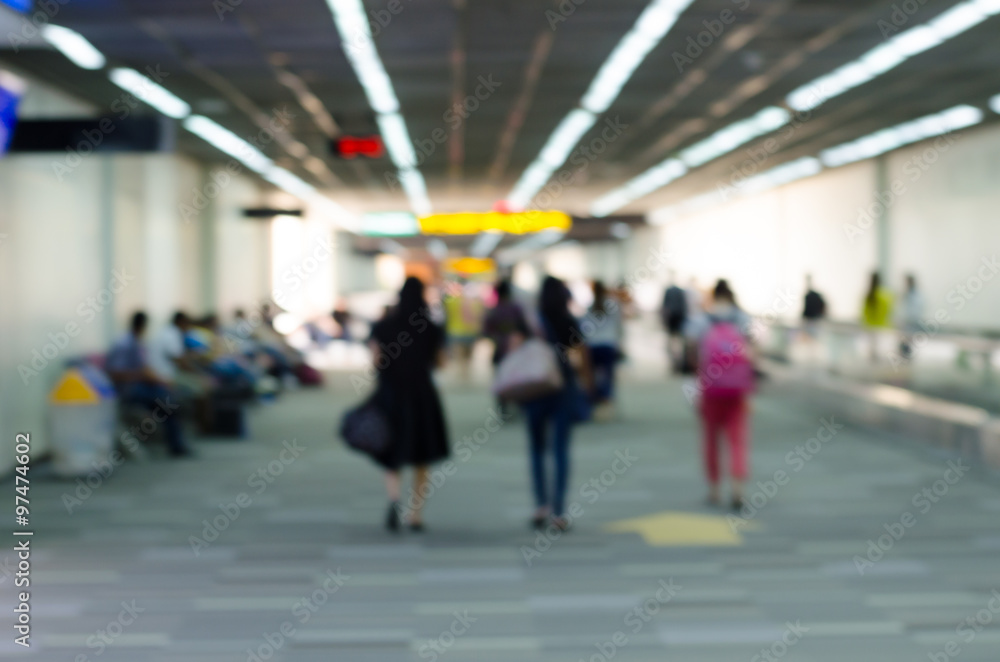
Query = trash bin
x=82 y=415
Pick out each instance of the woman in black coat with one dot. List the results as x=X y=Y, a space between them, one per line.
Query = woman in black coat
x=406 y=347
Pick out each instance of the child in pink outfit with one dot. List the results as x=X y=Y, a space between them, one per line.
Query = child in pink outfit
x=725 y=379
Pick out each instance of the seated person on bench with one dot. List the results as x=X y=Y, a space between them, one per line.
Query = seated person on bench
x=128 y=366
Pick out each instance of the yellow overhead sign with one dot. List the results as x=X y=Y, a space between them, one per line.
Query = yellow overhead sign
x=470 y=265
x=524 y=222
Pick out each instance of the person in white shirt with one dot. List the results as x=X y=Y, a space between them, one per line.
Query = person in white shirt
x=602 y=330
x=129 y=366
x=166 y=349
x=911 y=314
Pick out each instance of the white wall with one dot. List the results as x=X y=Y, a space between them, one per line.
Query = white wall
x=355 y=273
x=940 y=226
x=946 y=221
x=242 y=249
x=61 y=244
x=51 y=276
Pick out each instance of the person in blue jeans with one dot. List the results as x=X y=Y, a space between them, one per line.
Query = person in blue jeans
x=129 y=369
x=558 y=411
x=602 y=328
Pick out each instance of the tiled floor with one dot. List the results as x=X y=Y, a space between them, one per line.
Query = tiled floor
x=304 y=571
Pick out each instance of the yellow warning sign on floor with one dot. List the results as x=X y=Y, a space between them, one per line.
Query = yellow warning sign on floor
x=675 y=529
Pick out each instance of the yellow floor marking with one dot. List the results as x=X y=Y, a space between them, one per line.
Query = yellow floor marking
x=675 y=529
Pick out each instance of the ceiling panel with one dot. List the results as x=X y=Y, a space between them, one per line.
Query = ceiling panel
x=227 y=66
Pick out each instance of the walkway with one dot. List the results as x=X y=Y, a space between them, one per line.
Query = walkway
x=303 y=566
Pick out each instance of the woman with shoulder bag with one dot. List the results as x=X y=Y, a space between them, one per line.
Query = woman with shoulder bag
x=560 y=410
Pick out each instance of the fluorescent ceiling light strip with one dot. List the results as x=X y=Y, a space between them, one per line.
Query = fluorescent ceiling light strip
x=215 y=135
x=617 y=69
x=953 y=119
x=897 y=136
x=875 y=62
x=485 y=243
x=735 y=135
x=286 y=180
x=649 y=29
x=792 y=171
x=74 y=46
x=437 y=248
x=530 y=244
x=566 y=136
x=742 y=132
x=533 y=179
x=697 y=203
x=229 y=143
x=656 y=177
x=555 y=152
x=397 y=140
x=416 y=190
x=951 y=23
x=651 y=26
x=995 y=104
x=149 y=92
x=783 y=174
x=609 y=202
x=548 y=237
x=324 y=207
x=359 y=47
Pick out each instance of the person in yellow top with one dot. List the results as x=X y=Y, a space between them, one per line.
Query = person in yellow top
x=876 y=312
x=464 y=312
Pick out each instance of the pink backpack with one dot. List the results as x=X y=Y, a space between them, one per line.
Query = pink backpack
x=724 y=367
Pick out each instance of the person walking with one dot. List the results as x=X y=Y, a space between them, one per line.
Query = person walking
x=725 y=381
x=813 y=309
x=674 y=313
x=876 y=312
x=911 y=315
x=558 y=411
x=464 y=312
x=407 y=346
x=502 y=322
x=602 y=329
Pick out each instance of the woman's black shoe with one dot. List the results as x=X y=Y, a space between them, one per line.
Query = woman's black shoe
x=392 y=517
x=417 y=527
x=538 y=523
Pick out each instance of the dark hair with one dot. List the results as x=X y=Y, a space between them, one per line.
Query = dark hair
x=138 y=323
x=503 y=290
x=873 y=287
x=553 y=301
x=600 y=296
x=411 y=299
x=180 y=318
x=723 y=291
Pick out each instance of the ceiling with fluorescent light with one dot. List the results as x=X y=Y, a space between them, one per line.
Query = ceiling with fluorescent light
x=266 y=55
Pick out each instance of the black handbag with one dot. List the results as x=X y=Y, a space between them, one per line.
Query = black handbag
x=367 y=430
